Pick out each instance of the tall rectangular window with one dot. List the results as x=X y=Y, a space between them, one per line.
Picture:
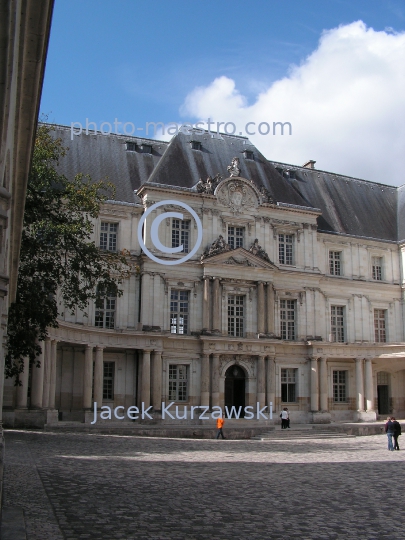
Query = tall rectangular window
x=108 y=380
x=106 y=303
x=235 y=315
x=178 y=382
x=181 y=234
x=236 y=236
x=379 y=325
x=179 y=312
x=285 y=248
x=288 y=385
x=287 y=319
x=376 y=263
x=335 y=263
x=337 y=323
x=108 y=236
x=339 y=386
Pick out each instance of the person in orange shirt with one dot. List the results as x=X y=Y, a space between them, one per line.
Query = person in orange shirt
x=220 y=425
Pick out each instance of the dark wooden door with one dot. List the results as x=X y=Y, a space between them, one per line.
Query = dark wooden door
x=235 y=383
x=383 y=399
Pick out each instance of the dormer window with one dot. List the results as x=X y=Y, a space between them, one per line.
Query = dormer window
x=130 y=146
x=196 y=145
x=146 y=148
x=248 y=154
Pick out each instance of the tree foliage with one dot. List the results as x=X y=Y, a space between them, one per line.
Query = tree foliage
x=60 y=265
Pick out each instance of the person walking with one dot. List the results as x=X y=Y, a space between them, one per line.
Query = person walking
x=220 y=425
x=284 y=418
x=288 y=418
x=397 y=432
x=389 y=430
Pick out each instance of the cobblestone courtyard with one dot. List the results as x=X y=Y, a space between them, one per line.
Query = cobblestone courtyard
x=77 y=486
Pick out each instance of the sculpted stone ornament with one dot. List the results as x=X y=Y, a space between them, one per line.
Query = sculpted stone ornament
x=265 y=193
x=257 y=250
x=244 y=262
x=237 y=194
x=218 y=246
x=208 y=186
x=233 y=168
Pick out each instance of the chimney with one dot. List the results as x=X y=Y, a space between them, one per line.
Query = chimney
x=310 y=164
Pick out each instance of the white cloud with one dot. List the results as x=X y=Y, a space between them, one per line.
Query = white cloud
x=346 y=104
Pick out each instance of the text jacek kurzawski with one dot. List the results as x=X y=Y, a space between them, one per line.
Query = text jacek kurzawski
x=200 y=412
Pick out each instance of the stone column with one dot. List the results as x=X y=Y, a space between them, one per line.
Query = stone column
x=47 y=370
x=369 y=385
x=314 y=384
x=205 y=380
x=145 y=384
x=323 y=383
x=216 y=305
x=271 y=381
x=98 y=376
x=215 y=380
x=206 y=304
x=88 y=378
x=52 y=382
x=157 y=381
x=37 y=387
x=359 y=385
x=22 y=391
x=260 y=308
x=270 y=308
x=261 y=381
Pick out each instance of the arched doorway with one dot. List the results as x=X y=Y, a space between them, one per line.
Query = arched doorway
x=235 y=382
x=383 y=394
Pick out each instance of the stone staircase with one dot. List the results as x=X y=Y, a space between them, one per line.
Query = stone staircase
x=303 y=432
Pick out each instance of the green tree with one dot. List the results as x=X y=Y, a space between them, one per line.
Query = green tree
x=60 y=266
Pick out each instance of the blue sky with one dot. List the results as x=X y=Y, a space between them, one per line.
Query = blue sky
x=141 y=62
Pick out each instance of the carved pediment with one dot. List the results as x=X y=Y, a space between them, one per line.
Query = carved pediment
x=238 y=257
x=241 y=262
x=238 y=194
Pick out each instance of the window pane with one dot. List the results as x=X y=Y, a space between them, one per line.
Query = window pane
x=106 y=306
x=379 y=325
x=377 y=268
x=108 y=380
x=236 y=236
x=108 y=236
x=339 y=386
x=335 y=263
x=287 y=319
x=181 y=234
x=285 y=248
x=235 y=315
x=179 y=310
x=337 y=324
x=178 y=382
x=288 y=385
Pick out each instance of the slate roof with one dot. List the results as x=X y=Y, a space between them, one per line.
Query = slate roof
x=349 y=206
x=105 y=156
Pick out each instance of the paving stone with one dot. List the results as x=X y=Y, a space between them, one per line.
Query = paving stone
x=81 y=486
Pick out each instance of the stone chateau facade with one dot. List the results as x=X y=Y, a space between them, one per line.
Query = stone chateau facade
x=295 y=295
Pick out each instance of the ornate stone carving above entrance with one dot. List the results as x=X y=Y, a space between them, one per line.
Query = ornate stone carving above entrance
x=238 y=194
x=247 y=362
